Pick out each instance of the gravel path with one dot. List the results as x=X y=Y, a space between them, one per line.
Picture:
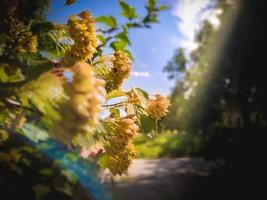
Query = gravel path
x=161 y=179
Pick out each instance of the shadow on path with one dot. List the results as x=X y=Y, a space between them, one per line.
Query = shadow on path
x=161 y=179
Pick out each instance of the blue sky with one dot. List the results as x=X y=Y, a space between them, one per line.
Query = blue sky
x=151 y=48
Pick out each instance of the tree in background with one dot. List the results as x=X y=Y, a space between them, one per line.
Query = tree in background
x=221 y=99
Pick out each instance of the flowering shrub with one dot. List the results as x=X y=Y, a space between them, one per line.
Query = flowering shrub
x=68 y=97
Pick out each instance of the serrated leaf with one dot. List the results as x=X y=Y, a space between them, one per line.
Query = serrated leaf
x=114 y=94
x=148 y=125
x=142 y=92
x=103 y=161
x=109 y=21
x=45 y=93
x=127 y=10
x=143 y=95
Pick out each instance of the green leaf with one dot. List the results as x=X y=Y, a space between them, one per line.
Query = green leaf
x=133 y=25
x=34 y=133
x=62 y=185
x=102 y=39
x=3 y=75
x=45 y=93
x=114 y=94
x=151 y=4
x=142 y=92
x=150 y=19
x=114 y=112
x=123 y=37
x=109 y=86
x=109 y=21
x=127 y=10
x=84 y=141
x=41 y=27
x=148 y=125
x=71 y=156
x=163 y=7
x=119 y=45
x=46 y=172
x=103 y=161
x=32 y=66
x=129 y=54
x=56 y=43
x=143 y=95
x=41 y=191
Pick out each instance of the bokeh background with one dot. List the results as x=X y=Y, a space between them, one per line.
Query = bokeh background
x=208 y=57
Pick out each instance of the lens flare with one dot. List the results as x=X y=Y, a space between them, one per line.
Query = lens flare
x=83 y=170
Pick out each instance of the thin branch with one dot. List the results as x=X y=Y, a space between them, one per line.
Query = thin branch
x=115 y=104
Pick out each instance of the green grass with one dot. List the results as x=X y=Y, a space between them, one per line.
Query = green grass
x=163 y=144
x=167 y=144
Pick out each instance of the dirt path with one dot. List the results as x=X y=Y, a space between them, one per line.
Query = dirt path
x=161 y=179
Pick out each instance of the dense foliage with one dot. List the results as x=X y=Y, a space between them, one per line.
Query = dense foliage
x=55 y=77
x=221 y=96
x=221 y=99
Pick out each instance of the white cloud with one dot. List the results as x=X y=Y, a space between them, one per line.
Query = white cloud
x=189 y=44
x=190 y=14
x=186 y=43
x=143 y=65
x=140 y=74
